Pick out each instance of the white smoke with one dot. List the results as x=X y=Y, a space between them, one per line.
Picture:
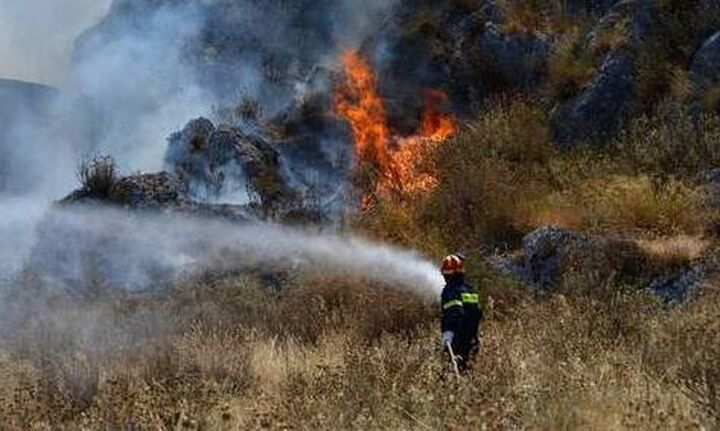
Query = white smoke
x=150 y=66
x=142 y=251
x=139 y=86
x=20 y=216
x=36 y=36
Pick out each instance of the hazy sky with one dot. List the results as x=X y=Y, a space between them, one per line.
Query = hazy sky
x=36 y=36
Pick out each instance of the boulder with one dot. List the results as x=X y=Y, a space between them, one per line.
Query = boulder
x=520 y=58
x=213 y=160
x=142 y=191
x=705 y=68
x=317 y=151
x=599 y=111
x=550 y=254
x=677 y=287
x=711 y=180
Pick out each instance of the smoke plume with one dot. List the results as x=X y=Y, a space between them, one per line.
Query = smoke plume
x=36 y=36
x=147 y=251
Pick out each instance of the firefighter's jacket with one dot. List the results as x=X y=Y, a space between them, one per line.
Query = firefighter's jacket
x=461 y=313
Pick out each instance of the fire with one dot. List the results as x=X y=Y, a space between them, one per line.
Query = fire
x=398 y=160
x=435 y=125
x=358 y=102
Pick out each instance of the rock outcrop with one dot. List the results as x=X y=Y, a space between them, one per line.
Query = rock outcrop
x=599 y=111
x=520 y=58
x=462 y=49
x=705 y=72
x=604 y=105
x=549 y=254
x=209 y=159
x=158 y=192
x=676 y=287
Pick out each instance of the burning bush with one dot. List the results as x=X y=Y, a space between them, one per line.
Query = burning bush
x=395 y=162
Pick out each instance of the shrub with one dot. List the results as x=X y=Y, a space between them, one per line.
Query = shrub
x=671 y=143
x=97 y=176
x=485 y=174
x=571 y=66
x=626 y=204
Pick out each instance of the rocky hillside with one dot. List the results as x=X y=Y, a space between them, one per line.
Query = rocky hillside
x=591 y=67
x=570 y=148
x=542 y=87
x=595 y=65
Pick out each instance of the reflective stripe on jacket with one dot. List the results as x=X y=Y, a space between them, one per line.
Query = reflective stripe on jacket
x=461 y=312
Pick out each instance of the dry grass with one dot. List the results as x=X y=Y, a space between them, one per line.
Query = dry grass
x=624 y=205
x=570 y=361
x=675 y=251
x=500 y=177
x=537 y=16
x=571 y=66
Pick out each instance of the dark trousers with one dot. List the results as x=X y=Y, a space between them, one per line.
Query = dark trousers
x=465 y=349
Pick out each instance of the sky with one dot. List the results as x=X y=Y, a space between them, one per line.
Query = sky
x=36 y=36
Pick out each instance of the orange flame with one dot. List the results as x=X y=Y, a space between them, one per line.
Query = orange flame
x=435 y=125
x=398 y=160
x=358 y=102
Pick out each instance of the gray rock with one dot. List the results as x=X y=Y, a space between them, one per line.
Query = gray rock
x=546 y=252
x=712 y=188
x=146 y=191
x=678 y=287
x=468 y=55
x=550 y=254
x=705 y=67
x=600 y=110
x=164 y=192
x=490 y=11
x=209 y=158
x=638 y=15
x=520 y=57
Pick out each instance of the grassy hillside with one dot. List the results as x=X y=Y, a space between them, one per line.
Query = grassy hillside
x=228 y=352
x=339 y=354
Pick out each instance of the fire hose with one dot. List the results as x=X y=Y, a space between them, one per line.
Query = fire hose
x=453 y=358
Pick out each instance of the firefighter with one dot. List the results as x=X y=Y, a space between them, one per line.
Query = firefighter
x=461 y=312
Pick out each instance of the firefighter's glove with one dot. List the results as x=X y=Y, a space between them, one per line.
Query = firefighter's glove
x=447 y=338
